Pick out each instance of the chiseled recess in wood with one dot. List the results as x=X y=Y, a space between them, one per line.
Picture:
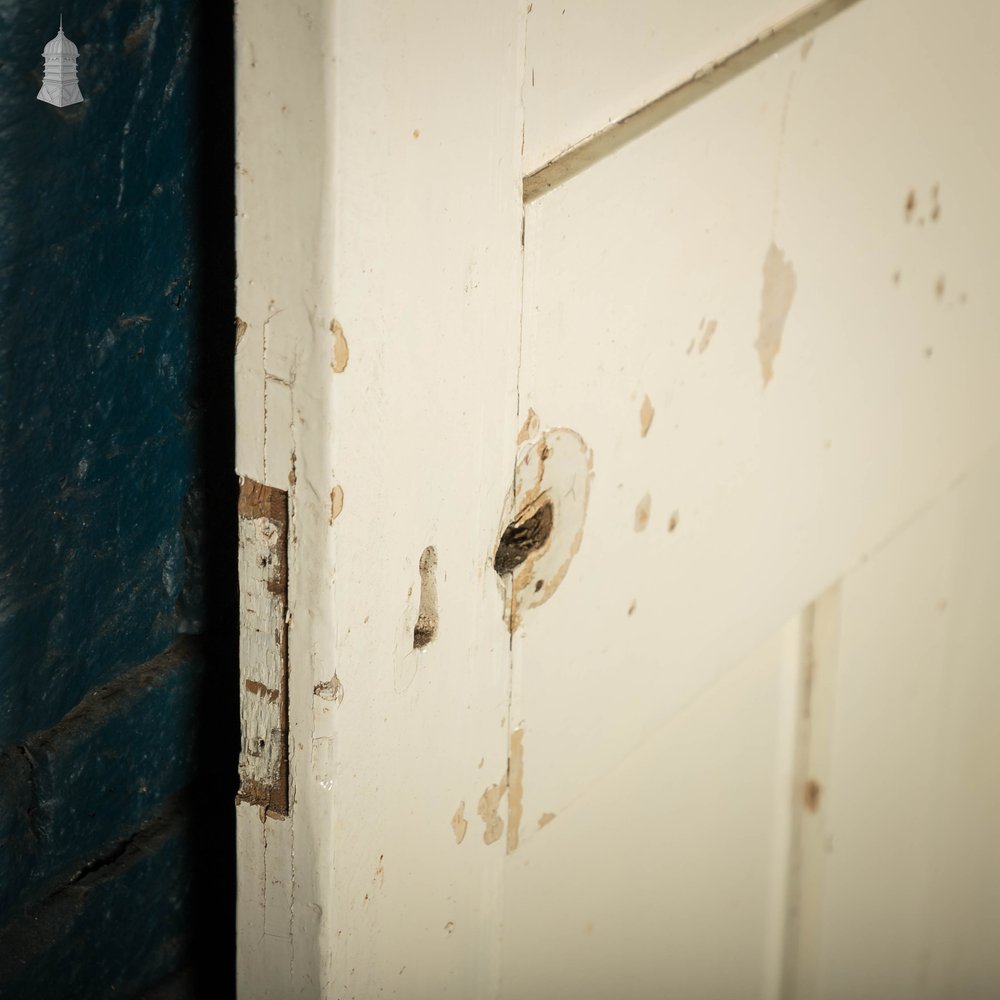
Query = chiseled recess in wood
x=263 y=574
x=709 y=78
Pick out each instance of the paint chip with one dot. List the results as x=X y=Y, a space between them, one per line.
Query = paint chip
x=331 y=690
x=910 y=206
x=706 y=336
x=805 y=49
x=545 y=819
x=642 y=512
x=488 y=810
x=336 y=502
x=529 y=428
x=459 y=824
x=776 y=301
x=515 y=782
x=241 y=328
x=646 y=413
x=674 y=520
x=341 y=353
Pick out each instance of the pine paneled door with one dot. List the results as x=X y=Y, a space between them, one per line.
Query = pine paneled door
x=627 y=374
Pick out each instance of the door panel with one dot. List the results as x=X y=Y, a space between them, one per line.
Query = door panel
x=668 y=870
x=591 y=62
x=911 y=824
x=819 y=359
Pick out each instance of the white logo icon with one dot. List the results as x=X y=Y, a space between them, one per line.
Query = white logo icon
x=60 y=86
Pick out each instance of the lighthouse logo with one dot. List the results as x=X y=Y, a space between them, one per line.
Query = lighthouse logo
x=60 y=86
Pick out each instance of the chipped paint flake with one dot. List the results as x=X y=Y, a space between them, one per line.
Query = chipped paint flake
x=459 y=824
x=340 y=353
x=545 y=819
x=646 y=413
x=336 y=502
x=642 y=512
x=331 y=690
x=529 y=428
x=706 y=335
x=489 y=811
x=775 y=303
x=515 y=788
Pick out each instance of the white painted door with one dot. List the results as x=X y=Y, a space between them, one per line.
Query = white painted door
x=619 y=433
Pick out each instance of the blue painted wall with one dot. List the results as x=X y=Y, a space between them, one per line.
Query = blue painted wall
x=117 y=624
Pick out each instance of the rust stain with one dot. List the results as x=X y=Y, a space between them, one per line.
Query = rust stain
x=341 y=353
x=416 y=133
x=336 y=502
x=459 y=824
x=488 y=810
x=262 y=690
x=545 y=819
x=646 y=413
x=515 y=786
x=241 y=328
x=642 y=513
x=706 y=336
x=812 y=794
x=910 y=206
x=776 y=301
x=331 y=690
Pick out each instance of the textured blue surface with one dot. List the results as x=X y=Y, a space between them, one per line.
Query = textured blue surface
x=94 y=939
x=97 y=444
x=94 y=778
x=114 y=227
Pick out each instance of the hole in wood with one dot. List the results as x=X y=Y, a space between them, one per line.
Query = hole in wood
x=526 y=534
x=427 y=616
